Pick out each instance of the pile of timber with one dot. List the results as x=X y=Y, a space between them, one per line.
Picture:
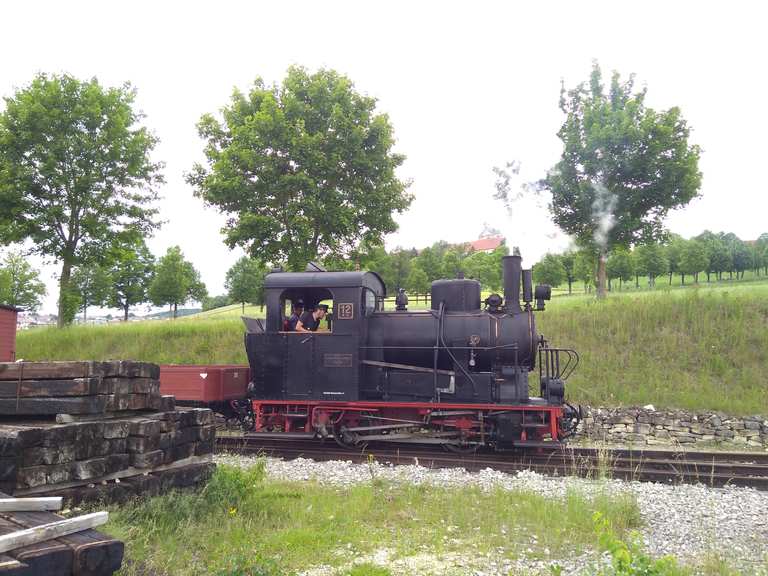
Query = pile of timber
x=35 y=541
x=50 y=388
x=97 y=431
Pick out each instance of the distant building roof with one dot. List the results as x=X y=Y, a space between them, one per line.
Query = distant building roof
x=484 y=244
x=7 y=307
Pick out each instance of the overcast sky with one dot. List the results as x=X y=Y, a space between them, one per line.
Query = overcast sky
x=467 y=86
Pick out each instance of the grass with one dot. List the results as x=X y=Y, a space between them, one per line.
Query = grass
x=242 y=524
x=694 y=348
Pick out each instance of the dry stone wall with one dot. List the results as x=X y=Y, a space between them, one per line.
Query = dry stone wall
x=649 y=426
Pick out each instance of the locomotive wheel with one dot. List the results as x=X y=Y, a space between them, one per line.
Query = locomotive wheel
x=345 y=439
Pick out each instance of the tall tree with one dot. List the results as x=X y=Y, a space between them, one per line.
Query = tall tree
x=549 y=270
x=620 y=265
x=693 y=259
x=674 y=249
x=584 y=266
x=568 y=259
x=417 y=281
x=651 y=260
x=20 y=283
x=430 y=262
x=176 y=281
x=90 y=286
x=75 y=170
x=301 y=169
x=245 y=281
x=623 y=166
x=131 y=266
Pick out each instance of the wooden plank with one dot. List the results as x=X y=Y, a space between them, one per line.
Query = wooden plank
x=77 y=369
x=51 y=531
x=50 y=558
x=29 y=504
x=95 y=554
x=127 y=473
x=46 y=388
x=52 y=406
x=9 y=566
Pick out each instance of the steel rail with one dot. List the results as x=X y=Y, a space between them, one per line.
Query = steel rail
x=715 y=469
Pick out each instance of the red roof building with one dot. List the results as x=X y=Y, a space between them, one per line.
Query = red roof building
x=486 y=244
x=8 y=316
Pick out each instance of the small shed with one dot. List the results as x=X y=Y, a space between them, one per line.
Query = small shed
x=8 y=316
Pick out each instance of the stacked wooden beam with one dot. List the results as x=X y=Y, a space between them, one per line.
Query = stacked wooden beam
x=45 y=457
x=40 y=549
x=48 y=388
x=97 y=430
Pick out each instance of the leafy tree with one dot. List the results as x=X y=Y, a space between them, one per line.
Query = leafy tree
x=301 y=169
x=417 y=281
x=430 y=262
x=130 y=268
x=213 y=302
x=20 y=283
x=75 y=170
x=584 y=266
x=718 y=255
x=623 y=167
x=651 y=261
x=549 y=270
x=400 y=267
x=761 y=253
x=91 y=285
x=693 y=259
x=568 y=259
x=741 y=257
x=454 y=261
x=245 y=281
x=674 y=248
x=620 y=265
x=176 y=281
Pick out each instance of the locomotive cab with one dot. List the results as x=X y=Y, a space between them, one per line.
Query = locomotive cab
x=321 y=365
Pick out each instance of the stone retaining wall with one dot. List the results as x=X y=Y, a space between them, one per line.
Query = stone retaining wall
x=655 y=427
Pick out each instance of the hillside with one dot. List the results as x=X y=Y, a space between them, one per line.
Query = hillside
x=693 y=348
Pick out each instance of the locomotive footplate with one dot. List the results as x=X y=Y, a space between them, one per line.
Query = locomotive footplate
x=455 y=426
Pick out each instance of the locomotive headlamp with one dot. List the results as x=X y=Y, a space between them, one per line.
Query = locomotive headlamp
x=543 y=292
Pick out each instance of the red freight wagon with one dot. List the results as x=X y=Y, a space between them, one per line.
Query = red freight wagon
x=208 y=385
x=8 y=316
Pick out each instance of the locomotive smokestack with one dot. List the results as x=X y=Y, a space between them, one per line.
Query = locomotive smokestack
x=512 y=271
x=527 y=286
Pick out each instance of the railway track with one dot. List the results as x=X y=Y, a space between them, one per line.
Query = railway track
x=670 y=467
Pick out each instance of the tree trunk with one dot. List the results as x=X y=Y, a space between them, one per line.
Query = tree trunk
x=670 y=278
x=125 y=317
x=66 y=275
x=175 y=310
x=682 y=279
x=609 y=284
x=637 y=281
x=570 y=284
x=243 y=303
x=601 y=261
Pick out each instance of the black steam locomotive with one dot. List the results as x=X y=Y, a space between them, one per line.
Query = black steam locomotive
x=456 y=375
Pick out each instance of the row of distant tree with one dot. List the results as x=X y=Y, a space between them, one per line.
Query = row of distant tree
x=712 y=254
x=124 y=276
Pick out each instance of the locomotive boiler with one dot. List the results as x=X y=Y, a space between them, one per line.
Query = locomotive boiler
x=457 y=374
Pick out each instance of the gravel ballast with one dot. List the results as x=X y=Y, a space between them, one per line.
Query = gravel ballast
x=686 y=521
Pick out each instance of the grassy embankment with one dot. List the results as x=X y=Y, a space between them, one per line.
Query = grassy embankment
x=242 y=524
x=695 y=348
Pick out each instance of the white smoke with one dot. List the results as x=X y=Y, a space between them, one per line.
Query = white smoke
x=603 y=214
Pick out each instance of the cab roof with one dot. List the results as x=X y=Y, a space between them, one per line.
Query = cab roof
x=326 y=280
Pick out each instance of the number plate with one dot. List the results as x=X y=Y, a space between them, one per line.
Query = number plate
x=346 y=311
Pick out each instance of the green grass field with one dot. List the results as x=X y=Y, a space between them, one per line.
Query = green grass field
x=695 y=348
x=243 y=524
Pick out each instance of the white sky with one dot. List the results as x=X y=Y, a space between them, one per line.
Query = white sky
x=467 y=86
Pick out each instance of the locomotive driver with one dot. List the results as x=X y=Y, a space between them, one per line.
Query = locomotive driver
x=310 y=320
